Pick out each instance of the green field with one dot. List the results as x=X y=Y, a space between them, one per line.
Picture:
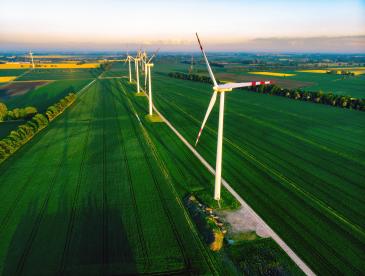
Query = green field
x=299 y=165
x=60 y=74
x=44 y=96
x=12 y=72
x=101 y=188
x=95 y=196
x=337 y=84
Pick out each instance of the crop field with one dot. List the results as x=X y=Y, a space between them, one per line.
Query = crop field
x=50 y=65
x=299 y=165
x=40 y=96
x=305 y=79
x=19 y=88
x=7 y=79
x=275 y=74
x=95 y=196
x=12 y=72
x=59 y=74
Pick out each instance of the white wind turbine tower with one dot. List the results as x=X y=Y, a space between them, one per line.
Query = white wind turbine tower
x=31 y=58
x=136 y=64
x=148 y=66
x=221 y=89
x=129 y=58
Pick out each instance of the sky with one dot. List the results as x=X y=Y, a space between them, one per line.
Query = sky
x=230 y=25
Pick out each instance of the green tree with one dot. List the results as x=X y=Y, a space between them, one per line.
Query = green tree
x=3 y=111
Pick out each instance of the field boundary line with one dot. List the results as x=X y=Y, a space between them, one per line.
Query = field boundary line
x=295 y=258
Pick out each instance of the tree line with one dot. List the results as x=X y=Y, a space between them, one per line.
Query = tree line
x=17 y=113
x=56 y=109
x=23 y=133
x=296 y=94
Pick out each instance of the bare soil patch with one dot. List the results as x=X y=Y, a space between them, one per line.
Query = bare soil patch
x=19 y=88
x=242 y=221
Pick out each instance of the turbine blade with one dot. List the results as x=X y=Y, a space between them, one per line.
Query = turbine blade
x=207 y=62
x=154 y=55
x=210 y=107
x=232 y=85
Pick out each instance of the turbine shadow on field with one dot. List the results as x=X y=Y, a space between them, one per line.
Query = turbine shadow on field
x=60 y=243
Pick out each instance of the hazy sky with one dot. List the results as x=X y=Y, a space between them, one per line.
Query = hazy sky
x=281 y=25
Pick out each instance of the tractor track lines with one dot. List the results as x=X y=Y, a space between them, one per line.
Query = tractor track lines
x=155 y=182
x=328 y=209
x=71 y=222
x=187 y=262
x=147 y=261
x=39 y=219
x=105 y=252
x=323 y=147
x=22 y=190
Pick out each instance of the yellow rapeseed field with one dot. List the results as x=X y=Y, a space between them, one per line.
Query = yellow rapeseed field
x=314 y=71
x=7 y=79
x=49 y=65
x=272 y=74
x=355 y=70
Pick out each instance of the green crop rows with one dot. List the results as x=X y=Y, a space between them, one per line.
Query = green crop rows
x=94 y=196
x=301 y=166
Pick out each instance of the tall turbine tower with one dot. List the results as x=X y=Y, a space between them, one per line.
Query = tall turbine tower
x=221 y=89
x=136 y=62
x=129 y=58
x=31 y=58
x=148 y=66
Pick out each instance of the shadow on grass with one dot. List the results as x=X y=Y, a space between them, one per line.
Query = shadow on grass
x=85 y=241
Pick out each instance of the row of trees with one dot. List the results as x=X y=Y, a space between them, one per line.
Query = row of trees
x=297 y=94
x=25 y=132
x=21 y=135
x=310 y=96
x=17 y=113
x=56 y=109
x=192 y=77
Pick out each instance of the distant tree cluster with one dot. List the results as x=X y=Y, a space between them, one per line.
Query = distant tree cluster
x=192 y=77
x=310 y=96
x=296 y=94
x=56 y=109
x=17 y=113
x=36 y=123
x=21 y=135
x=21 y=113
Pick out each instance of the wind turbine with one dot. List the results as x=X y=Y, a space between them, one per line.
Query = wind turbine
x=136 y=61
x=148 y=66
x=221 y=89
x=31 y=58
x=129 y=58
x=191 y=68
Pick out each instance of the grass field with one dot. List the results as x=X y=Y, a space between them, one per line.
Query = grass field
x=44 y=96
x=12 y=72
x=301 y=166
x=50 y=66
x=310 y=81
x=59 y=74
x=95 y=196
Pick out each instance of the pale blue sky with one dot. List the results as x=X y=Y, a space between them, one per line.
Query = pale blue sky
x=112 y=23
